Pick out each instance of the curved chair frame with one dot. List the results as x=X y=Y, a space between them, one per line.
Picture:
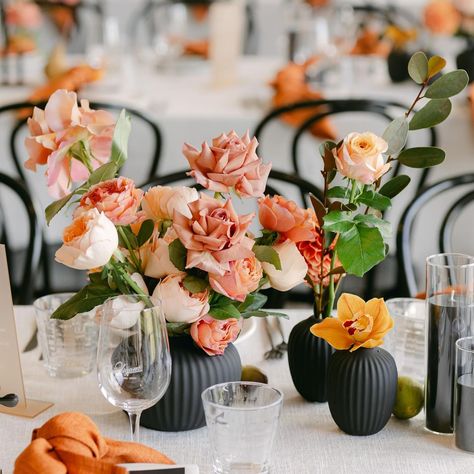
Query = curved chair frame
x=33 y=253
x=406 y=278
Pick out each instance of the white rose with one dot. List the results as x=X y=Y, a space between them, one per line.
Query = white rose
x=178 y=304
x=160 y=202
x=293 y=267
x=88 y=242
x=121 y=312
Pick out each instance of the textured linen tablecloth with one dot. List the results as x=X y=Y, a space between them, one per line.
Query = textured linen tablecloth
x=308 y=441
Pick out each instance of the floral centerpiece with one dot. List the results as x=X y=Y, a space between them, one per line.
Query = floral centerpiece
x=353 y=236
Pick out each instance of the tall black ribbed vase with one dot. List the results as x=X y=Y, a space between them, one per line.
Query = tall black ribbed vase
x=362 y=386
x=308 y=357
x=192 y=372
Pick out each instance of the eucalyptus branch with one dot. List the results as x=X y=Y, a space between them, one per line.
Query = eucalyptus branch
x=417 y=99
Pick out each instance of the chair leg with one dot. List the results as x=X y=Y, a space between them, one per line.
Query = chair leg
x=47 y=288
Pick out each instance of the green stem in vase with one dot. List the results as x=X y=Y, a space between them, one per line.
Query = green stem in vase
x=331 y=293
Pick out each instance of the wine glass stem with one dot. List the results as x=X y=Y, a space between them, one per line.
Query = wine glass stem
x=134 y=426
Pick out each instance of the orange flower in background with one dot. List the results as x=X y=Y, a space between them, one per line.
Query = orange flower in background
x=358 y=324
x=370 y=42
x=285 y=217
x=23 y=15
x=441 y=17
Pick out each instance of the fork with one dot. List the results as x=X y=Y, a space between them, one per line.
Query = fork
x=283 y=346
x=274 y=352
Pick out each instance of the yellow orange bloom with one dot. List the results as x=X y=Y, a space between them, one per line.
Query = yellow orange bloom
x=358 y=323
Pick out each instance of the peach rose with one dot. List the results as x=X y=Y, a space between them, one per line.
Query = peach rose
x=160 y=202
x=312 y=252
x=179 y=305
x=231 y=162
x=155 y=256
x=360 y=157
x=285 y=217
x=56 y=136
x=117 y=198
x=441 y=17
x=213 y=336
x=214 y=235
x=23 y=15
x=243 y=278
x=465 y=6
x=89 y=242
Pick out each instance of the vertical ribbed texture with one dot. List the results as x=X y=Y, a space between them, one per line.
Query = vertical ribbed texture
x=192 y=372
x=362 y=386
x=308 y=357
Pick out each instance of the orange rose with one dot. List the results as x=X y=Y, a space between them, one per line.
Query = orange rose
x=442 y=18
x=285 y=217
x=213 y=336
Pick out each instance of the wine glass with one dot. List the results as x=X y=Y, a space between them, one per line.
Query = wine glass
x=133 y=355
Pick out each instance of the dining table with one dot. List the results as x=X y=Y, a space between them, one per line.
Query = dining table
x=307 y=441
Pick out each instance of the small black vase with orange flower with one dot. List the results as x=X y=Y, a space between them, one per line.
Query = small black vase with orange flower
x=361 y=377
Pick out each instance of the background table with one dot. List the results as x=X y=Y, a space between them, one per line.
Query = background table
x=308 y=441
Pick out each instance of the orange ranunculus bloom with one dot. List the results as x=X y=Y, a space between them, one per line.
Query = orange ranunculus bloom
x=285 y=217
x=358 y=324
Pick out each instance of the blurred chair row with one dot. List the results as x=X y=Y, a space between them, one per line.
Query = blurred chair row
x=39 y=255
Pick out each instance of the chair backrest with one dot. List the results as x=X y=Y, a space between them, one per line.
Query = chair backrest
x=390 y=14
x=327 y=107
x=24 y=290
x=151 y=169
x=406 y=278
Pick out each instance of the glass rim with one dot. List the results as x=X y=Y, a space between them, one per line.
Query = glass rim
x=429 y=260
x=408 y=299
x=242 y=382
x=461 y=340
x=37 y=301
x=134 y=295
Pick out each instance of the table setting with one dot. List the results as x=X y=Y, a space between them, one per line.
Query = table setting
x=227 y=310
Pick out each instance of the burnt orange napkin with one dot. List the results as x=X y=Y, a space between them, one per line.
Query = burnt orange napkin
x=290 y=86
x=370 y=42
x=71 y=443
x=196 y=48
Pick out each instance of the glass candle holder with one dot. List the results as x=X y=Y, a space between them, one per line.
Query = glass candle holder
x=450 y=316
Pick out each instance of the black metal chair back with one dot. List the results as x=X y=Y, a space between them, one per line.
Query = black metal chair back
x=390 y=14
x=406 y=278
x=22 y=287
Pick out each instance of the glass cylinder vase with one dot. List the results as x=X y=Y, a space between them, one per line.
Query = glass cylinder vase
x=450 y=316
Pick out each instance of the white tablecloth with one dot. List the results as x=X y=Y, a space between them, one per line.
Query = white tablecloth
x=308 y=441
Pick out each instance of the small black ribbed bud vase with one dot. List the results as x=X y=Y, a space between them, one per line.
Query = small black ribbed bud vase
x=362 y=386
x=308 y=357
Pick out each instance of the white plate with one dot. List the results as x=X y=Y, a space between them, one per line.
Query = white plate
x=248 y=328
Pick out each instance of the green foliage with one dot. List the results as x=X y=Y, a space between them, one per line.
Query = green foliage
x=177 y=329
x=56 y=206
x=268 y=254
x=122 y=131
x=127 y=238
x=421 y=157
x=435 y=65
x=178 y=254
x=103 y=173
x=195 y=284
x=395 y=186
x=418 y=67
x=92 y=295
x=319 y=208
x=338 y=221
x=448 y=85
x=326 y=151
x=339 y=192
x=268 y=237
x=145 y=232
x=433 y=113
x=374 y=200
x=224 y=312
x=396 y=135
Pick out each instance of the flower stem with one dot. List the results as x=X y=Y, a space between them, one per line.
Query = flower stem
x=353 y=191
x=332 y=294
x=134 y=258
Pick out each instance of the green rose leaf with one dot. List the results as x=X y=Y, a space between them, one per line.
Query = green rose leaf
x=433 y=113
x=253 y=302
x=418 y=67
x=268 y=254
x=224 y=312
x=360 y=249
x=374 y=200
x=195 y=284
x=120 y=139
x=395 y=186
x=56 y=206
x=448 y=85
x=263 y=314
x=126 y=237
x=435 y=65
x=421 y=157
x=396 y=135
x=325 y=149
x=145 y=232
x=178 y=254
x=177 y=329
x=370 y=220
x=318 y=206
x=103 y=173
x=338 y=221
x=87 y=299
x=338 y=192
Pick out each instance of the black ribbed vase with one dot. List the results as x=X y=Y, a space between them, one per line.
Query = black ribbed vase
x=192 y=372
x=308 y=357
x=362 y=386
x=465 y=60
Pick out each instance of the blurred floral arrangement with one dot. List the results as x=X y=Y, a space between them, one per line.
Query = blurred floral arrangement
x=192 y=251
x=450 y=17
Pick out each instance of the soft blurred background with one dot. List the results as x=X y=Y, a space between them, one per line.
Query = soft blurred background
x=191 y=70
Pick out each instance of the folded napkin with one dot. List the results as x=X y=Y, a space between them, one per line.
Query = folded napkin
x=71 y=443
x=18 y=44
x=196 y=48
x=370 y=42
x=290 y=86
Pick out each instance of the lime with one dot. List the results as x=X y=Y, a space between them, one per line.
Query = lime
x=410 y=397
x=250 y=373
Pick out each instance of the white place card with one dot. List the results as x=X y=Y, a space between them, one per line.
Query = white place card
x=11 y=377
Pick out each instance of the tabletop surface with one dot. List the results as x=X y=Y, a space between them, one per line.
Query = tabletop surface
x=308 y=441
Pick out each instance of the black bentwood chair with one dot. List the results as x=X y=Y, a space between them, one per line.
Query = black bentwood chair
x=22 y=282
x=15 y=144
x=407 y=284
x=385 y=110
x=278 y=183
